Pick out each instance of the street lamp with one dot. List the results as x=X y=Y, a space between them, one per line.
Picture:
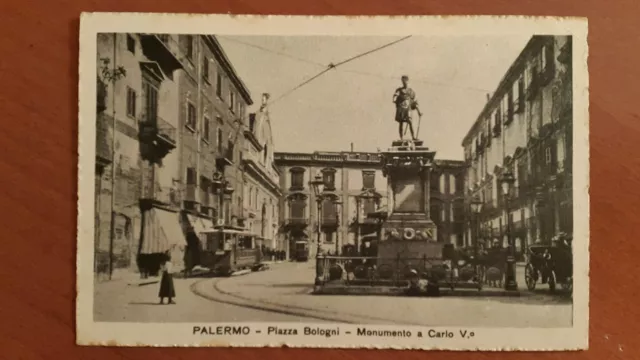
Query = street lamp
x=476 y=207
x=507 y=180
x=317 y=185
x=338 y=206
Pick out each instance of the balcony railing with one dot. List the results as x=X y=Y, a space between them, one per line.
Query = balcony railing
x=162 y=48
x=225 y=155
x=160 y=194
x=157 y=130
x=329 y=221
x=297 y=221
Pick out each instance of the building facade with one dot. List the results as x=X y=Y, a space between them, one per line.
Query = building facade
x=356 y=179
x=179 y=110
x=262 y=179
x=526 y=127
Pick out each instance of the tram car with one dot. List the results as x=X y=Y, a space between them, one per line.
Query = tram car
x=301 y=251
x=228 y=249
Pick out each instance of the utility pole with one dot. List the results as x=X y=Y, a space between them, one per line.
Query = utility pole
x=112 y=229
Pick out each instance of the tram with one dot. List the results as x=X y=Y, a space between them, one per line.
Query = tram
x=228 y=249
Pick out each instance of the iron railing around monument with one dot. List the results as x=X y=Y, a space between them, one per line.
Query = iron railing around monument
x=388 y=272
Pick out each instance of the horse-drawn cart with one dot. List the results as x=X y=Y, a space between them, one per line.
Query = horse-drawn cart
x=550 y=265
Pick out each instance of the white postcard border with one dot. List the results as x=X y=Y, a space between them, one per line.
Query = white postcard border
x=181 y=334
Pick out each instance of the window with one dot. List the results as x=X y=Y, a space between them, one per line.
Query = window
x=297 y=210
x=460 y=184
x=328 y=211
x=443 y=216
x=219 y=140
x=520 y=96
x=547 y=155
x=452 y=184
x=369 y=206
x=191 y=116
x=232 y=100
x=191 y=176
x=266 y=152
x=329 y=178
x=206 y=129
x=297 y=179
x=509 y=108
x=328 y=237
x=131 y=44
x=369 y=179
x=151 y=102
x=190 y=47
x=131 y=102
x=205 y=68
x=252 y=122
x=452 y=214
x=219 y=84
x=442 y=184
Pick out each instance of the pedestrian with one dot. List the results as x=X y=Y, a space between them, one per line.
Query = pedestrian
x=167 y=290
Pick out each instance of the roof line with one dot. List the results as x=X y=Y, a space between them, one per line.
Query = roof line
x=516 y=65
x=219 y=52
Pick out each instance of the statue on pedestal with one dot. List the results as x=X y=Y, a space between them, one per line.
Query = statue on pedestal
x=405 y=100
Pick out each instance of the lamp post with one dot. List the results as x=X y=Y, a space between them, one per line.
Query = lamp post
x=223 y=188
x=507 y=180
x=317 y=185
x=338 y=206
x=475 y=207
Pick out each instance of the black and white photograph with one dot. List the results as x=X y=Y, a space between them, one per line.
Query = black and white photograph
x=408 y=183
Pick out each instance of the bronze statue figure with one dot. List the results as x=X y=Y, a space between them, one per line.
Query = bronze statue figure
x=405 y=100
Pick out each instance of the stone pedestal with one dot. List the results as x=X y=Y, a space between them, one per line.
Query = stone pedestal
x=408 y=234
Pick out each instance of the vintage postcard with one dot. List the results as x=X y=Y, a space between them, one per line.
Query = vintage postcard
x=372 y=182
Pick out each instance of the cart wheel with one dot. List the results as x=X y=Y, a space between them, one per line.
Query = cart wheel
x=530 y=277
x=552 y=281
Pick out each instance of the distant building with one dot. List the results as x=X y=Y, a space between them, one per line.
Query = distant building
x=262 y=179
x=526 y=126
x=356 y=179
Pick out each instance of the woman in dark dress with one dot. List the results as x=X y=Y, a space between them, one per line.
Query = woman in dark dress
x=167 y=290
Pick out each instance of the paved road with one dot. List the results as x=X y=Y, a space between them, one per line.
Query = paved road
x=287 y=288
x=120 y=302
x=282 y=294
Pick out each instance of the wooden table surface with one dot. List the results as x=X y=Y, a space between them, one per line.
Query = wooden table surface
x=38 y=105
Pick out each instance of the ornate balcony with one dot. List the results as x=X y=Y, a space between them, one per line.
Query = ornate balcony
x=225 y=156
x=296 y=222
x=158 y=133
x=163 y=49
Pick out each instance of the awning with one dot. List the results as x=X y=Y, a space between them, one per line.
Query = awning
x=170 y=223
x=162 y=231
x=199 y=225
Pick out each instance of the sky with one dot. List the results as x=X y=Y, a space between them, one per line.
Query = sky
x=353 y=102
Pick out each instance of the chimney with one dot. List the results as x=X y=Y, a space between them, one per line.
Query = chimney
x=488 y=97
x=351 y=147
